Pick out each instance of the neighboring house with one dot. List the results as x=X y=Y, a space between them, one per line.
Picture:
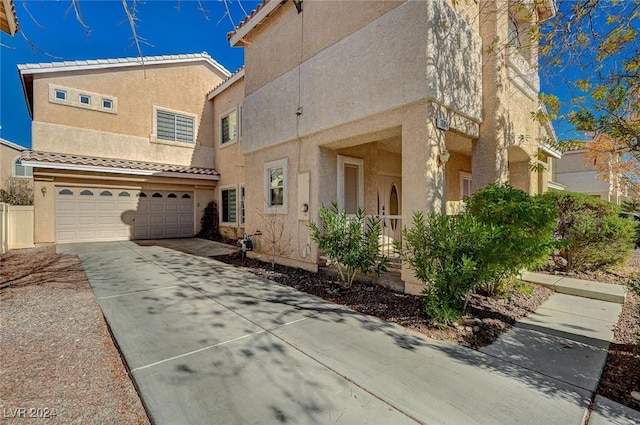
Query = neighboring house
x=393 y=107
x=578 y=174
x=10 y=163
x=8 y=18
x=122 y=148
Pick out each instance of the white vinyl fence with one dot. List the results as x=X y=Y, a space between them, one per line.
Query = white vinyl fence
x=16 y=227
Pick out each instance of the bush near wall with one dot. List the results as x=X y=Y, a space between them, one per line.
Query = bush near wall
x=527 y=224
x=590 y=232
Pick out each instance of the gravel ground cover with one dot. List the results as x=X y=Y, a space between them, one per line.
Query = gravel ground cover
x=58 y=363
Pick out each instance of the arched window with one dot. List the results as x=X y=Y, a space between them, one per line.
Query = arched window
x=65 y=192
x=20 y=170
x=106 y=193
x=157 y=195
x=86 y=192
x=126 y=194
x=172 y=195
x=142 y=195
x=186 y=196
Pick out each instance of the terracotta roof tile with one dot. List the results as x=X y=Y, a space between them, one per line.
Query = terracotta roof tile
x=70 y=159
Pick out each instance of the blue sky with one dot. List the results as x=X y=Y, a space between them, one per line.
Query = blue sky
x=169 y=26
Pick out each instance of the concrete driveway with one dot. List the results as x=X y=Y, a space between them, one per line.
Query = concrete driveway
x=209 y=344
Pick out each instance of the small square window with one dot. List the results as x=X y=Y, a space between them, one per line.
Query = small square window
x=107 y=103
x=84 y=99
x=61 y=94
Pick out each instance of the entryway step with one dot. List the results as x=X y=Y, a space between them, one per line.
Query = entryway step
x=578 y=287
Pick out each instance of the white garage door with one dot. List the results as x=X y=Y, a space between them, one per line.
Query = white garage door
x=107 y=214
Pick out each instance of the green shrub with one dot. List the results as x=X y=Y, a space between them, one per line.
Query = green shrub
x=526 y=223
x=448 y=254
x=590 y=232
x=350 y=243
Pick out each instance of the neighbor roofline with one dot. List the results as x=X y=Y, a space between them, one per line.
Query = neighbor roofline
x=113 y=170
x=255 y=19
x=239 y=75
x=92 y=64
x=12 y=18
x=12 y=145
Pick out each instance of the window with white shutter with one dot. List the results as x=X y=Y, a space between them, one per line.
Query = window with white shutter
x=174 y=127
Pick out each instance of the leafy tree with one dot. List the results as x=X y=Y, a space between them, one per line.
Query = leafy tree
x=350 y=242
x=590 y=231
x=598 y=40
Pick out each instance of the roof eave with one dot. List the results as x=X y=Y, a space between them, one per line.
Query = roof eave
x=239 y=34
x=549 y=151
x=12 y=145
x=12 y=18
x=546 y=9
x=114 y=170
x=226 y=84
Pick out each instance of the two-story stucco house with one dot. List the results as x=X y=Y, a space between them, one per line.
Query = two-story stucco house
x=389 y=106
x=121 y=148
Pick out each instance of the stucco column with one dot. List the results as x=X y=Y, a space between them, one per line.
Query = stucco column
x=43 y=209
x=422 y=177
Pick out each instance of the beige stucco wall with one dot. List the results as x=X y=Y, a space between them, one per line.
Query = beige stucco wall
x=229 y=160
x=128 y=133
x=508 y=133
x=415 y=57
x=7 y=157
x=283 y=47
x=44 y=204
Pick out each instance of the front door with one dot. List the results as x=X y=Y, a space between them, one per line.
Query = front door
x=389 y=188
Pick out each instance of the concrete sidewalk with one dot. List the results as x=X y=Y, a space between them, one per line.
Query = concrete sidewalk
x=207 y=343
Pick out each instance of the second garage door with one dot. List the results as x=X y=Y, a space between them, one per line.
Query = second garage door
x=107 y=214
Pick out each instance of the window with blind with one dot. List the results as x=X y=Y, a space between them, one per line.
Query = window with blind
x=228 y=128
x=228 y=202
x=174 y=127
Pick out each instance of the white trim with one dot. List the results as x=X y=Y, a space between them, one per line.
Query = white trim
x=549 y=150
x=556 y=185
x=43 y=68
x=12 y=145
x=348 y=160
x=464 y=176
x=13 y=169
x=228 y=187
x=278 y=163
x=255 y=21
x=97 y=169
x=226 y=84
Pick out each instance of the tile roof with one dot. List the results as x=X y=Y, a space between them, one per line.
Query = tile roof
x=117 y=165
x=256 y=16
x=29 y=68
x=8 y=17
x=239 y=74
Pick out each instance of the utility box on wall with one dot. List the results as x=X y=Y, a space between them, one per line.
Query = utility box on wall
x=303 y=196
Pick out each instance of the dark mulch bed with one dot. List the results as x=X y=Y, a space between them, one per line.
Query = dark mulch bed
x=621 y=373
x=487 y=317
